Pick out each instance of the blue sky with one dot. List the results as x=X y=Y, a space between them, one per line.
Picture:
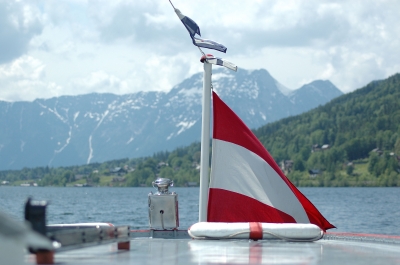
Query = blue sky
x=53 y=48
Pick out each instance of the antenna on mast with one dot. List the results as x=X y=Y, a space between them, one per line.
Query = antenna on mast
x=171 y=4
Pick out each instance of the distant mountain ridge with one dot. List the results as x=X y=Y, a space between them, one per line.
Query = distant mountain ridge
x=74 y=130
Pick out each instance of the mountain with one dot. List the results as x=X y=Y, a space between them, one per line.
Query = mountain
x=313 y=93
x=361 y=127
x=73 y=130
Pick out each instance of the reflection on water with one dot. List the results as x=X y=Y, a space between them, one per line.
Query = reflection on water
x=252 y=252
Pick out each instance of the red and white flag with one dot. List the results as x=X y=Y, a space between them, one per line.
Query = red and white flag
x=246 y=183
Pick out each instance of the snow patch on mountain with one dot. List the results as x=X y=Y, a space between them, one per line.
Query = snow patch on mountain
x=76 y=115
x=90 y=150
x=67 y=141
x=102 y=118
x=170 y=136
x=184 y=126
x=55 y=112
x=130 y=140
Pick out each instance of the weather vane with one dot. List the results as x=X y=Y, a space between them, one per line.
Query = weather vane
x=194 y=30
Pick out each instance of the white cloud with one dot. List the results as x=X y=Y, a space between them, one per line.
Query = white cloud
x=126 y=46
x=100 y=82
x=19 y=23
x=24 y=79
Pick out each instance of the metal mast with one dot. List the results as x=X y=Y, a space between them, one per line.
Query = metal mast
x=208 y=61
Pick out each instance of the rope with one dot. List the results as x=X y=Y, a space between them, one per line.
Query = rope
x=201 y=51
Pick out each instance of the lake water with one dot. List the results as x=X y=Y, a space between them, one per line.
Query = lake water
x=362 y=210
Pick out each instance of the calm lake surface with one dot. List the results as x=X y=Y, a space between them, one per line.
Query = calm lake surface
x=362 y=210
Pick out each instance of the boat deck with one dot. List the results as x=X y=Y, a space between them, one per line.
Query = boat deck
x=187 y=251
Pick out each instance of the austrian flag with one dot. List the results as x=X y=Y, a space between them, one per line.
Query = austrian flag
x=246 y=183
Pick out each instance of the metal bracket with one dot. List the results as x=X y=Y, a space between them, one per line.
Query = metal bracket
x=209 y=58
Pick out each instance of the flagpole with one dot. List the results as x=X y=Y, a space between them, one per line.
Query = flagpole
x=205 y=142
x=208 y=60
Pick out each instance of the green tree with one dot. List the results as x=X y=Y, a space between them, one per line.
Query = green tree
x=298 y=165
x=167 y=172
x=349 y=170
x=373 y=161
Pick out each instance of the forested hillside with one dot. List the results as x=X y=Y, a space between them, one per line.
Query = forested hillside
x=181 y=165
x=354 y=140
x=360 y=133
